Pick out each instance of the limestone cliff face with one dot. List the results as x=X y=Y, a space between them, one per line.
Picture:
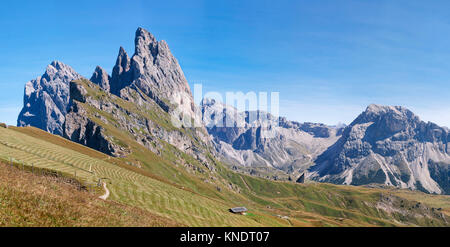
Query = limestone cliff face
x=121 y=74
x=388 y=145
x=46 y=98
x=255 y=139
x=80 y=127
x=93 y=113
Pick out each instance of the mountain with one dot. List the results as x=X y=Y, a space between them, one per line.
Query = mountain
x=156 y=72
x=46 y=98
x=258 y=140
x=125 y=125
x=146 y=101
x=141 y=100
x=388 y=145
x=101 y=78
x=384 y=145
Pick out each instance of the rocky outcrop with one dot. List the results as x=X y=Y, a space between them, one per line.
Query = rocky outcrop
x=157 y=73
x=388 y=145
x=301 y=179
x=101 y=78
x=81 y=128
x=93 y=114
x=152 y=79
x=46 y=99
x=121 y=74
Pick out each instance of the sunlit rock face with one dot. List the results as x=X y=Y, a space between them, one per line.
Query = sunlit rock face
x=156 y=72
x=46 y=98
x=101 y=78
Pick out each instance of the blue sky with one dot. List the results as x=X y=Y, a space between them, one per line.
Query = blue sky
x=328 y=59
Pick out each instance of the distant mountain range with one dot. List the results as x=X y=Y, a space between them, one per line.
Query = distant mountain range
x=384 y=145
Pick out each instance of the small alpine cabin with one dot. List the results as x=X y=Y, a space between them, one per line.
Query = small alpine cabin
x=239 y=210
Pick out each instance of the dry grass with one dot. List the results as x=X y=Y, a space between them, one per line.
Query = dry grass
x=62 y=142
x=306 y=205
x=31 y=200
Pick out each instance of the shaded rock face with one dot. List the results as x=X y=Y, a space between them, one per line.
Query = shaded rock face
x=301 y=179
x=253 y=139
x=46 y=99
x=388 y=145
x=121 y=74
x=101 y=78
x=79 y=128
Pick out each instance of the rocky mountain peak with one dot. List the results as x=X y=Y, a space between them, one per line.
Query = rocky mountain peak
x=374 y=112
x=46 y=98
x=121 y=74
x=144 y=41
x=101 y=78
x=157 y=73
x=253 y=139
x=57 y=69
x=123 y=61
x=59 y=65
x=388 y=119
x=154 y=71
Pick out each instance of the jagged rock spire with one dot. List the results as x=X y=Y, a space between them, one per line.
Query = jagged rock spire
x=121 y=76
x=101 y=78
x=157 y=73
x=46 y=98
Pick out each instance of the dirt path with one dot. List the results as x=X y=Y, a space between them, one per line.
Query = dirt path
x=106 y=195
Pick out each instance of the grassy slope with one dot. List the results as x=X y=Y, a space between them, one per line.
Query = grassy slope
x=126 y=185
x=27 y=199
x=306 y=205
x=194 y=195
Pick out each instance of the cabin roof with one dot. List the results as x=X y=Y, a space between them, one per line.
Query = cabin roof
x=238 y=209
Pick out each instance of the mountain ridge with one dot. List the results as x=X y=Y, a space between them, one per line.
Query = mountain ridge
x=388 y=145
x=145 y=94
x=46 y=98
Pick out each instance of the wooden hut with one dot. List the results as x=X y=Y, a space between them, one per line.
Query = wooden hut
x=238 y=210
